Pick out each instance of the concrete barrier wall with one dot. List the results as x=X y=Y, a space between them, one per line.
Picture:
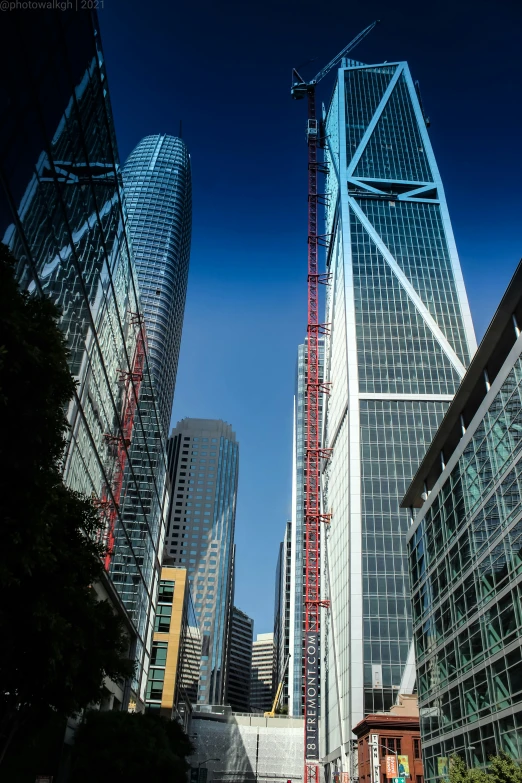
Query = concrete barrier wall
x=249 y=748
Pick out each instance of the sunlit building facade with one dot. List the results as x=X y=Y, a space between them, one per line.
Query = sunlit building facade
x=173 y=675
x=158 y=195
x=465 y=557
x=262 y=687
x=62 y=215
x=400 y=338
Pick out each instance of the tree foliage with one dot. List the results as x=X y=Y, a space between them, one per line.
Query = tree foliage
x=119 y=746
x=58 y=640
x=501 y=769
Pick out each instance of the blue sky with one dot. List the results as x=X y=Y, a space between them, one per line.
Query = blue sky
x=224 y=68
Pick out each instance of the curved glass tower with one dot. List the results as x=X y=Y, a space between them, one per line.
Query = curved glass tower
x=159 y=208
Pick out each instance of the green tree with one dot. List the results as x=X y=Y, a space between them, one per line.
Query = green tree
x=503 y=769
x=458 y=771
x=120 y=747
x=58 y=640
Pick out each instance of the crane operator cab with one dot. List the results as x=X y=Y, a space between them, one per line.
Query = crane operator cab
x=312 y=129
x=299 y=89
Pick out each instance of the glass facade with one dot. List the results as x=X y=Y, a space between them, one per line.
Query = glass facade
x=62 y=214
x=159 y=218
x=400 y=339
x=203 y=466
x=465 y=554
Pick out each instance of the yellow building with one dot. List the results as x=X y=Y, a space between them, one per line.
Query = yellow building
x=176 y=648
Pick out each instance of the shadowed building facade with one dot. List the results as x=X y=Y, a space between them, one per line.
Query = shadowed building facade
x=62 y=215
x=240 y=662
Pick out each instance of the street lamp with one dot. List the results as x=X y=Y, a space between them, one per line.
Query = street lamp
x=206 y=760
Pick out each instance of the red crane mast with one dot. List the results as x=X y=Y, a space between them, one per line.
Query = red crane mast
x=120 y=442
x=314 y=453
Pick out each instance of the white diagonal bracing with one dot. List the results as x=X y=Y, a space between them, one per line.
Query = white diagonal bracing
x=409 y=289
x=375 y=119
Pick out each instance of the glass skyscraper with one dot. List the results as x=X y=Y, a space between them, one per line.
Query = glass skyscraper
x=400 y=337
x=159 y=218
x=62 y=214
x=203 y=467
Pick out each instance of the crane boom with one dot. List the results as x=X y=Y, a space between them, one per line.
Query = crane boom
x=353 y=43
x=300 y=87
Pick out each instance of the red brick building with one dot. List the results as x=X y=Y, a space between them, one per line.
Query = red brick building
x=399 y=735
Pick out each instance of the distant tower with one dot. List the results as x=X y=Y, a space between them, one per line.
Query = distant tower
x=240 y=662
x=262 y=691
x=158 y=195
x=203 y=467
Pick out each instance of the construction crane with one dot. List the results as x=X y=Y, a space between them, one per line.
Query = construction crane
x=275 y=705
x=314 y=453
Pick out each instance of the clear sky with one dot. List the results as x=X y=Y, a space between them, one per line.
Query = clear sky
x=224 y=68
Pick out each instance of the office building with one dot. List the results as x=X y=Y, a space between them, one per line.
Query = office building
x=240 y=662
x=282 y=614
x=203 y=466
x=62 y=215
x=262 y=690
x=158 y=195
x=397 y=736
x=297 y=584
x=465 y=556
x=173 y=675
x=400 y=338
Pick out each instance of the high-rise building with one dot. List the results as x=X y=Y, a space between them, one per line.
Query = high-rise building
x=297 y=584
x=400 y=337
x=203 y=467
x=465 y=557
x=240 y=661
x=62 y=214
x=173 y=675
x=282 y=613
x=262 y=690
x=158 y=195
